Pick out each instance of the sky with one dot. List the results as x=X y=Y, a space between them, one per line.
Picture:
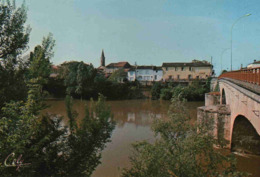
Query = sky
x=148 y=32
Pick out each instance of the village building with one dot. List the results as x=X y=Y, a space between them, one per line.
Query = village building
x=107 y=70
x=124 y=65
x=187 y=71
x=255 y=64
x=145 y=74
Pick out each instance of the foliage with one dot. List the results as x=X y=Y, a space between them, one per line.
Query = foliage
x=118 y=76
x=55 y=87
x=156 y=90
x=88 y=138
x=12 y=84
x=182 y=149
x=166 y=93
x=223 y=71
x=194 y=92
x=14 y=37
x=116 y=91
x=78 y=77
x=50 y=148
x=92 y=87
x=39 y=61
x=217 y=88
x=42 y=144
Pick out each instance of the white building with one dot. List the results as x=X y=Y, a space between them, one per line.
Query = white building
x=256 y=64
x=145 y=73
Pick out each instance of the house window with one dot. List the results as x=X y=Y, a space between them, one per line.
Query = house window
x=197 y=77
x=178 y=76
x=182 y=68
x=155 y=77
x=170 y=77
x=189 y=77
x=176 y=68
x=166 y=68
x=190 y=68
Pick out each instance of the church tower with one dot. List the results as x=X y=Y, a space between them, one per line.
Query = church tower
x=102 y=59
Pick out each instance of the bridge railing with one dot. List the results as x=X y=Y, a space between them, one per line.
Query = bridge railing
x=251 y=75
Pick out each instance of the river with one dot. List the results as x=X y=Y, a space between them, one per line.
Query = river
x=134 y=119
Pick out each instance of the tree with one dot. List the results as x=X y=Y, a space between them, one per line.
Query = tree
x=78 y=77
x=47 y=146
x=39 y=61
x=156 y=90
x=14 y=37
x=88 y=138
x=182 y=150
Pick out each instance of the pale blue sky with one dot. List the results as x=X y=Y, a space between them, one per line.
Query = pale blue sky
x=149 y=32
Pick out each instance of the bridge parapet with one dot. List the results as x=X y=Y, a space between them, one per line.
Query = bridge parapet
x=251 y=75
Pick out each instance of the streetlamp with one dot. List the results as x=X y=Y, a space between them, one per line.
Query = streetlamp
x=222 y=56
x=231 y=35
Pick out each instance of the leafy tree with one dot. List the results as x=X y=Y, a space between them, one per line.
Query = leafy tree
x=182 y=149
x=39 y=61
x=14 y=37
x=78 y=77
x=88 y=138
x=50 y=148
x=156 y=90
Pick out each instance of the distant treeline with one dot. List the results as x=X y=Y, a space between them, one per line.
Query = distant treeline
x=83 y=81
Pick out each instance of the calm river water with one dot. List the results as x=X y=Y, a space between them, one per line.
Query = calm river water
x=134 y=119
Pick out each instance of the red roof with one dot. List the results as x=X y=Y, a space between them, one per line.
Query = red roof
x=123 y=64
x=54 y=67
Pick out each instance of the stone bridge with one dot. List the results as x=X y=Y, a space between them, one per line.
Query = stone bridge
x=235 y=109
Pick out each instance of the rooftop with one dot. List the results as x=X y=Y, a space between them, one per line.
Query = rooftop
x=146 y=67
x=123 y=64
x=256 y=62
x=194 y=63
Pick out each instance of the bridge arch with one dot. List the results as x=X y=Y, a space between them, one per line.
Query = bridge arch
x=244 y=136
x=223 y=97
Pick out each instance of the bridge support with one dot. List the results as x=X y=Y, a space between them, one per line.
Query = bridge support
x=235 y=113
x=219 y=116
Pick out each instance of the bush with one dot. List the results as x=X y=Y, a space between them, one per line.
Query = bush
x=166 y=93
x=47 y=146
x=156 y=90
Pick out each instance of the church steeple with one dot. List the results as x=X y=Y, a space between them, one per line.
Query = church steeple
x=102 y=59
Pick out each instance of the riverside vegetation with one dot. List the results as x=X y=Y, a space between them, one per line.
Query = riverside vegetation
x=40 y=145
x=193 y=92
x=43 y=146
